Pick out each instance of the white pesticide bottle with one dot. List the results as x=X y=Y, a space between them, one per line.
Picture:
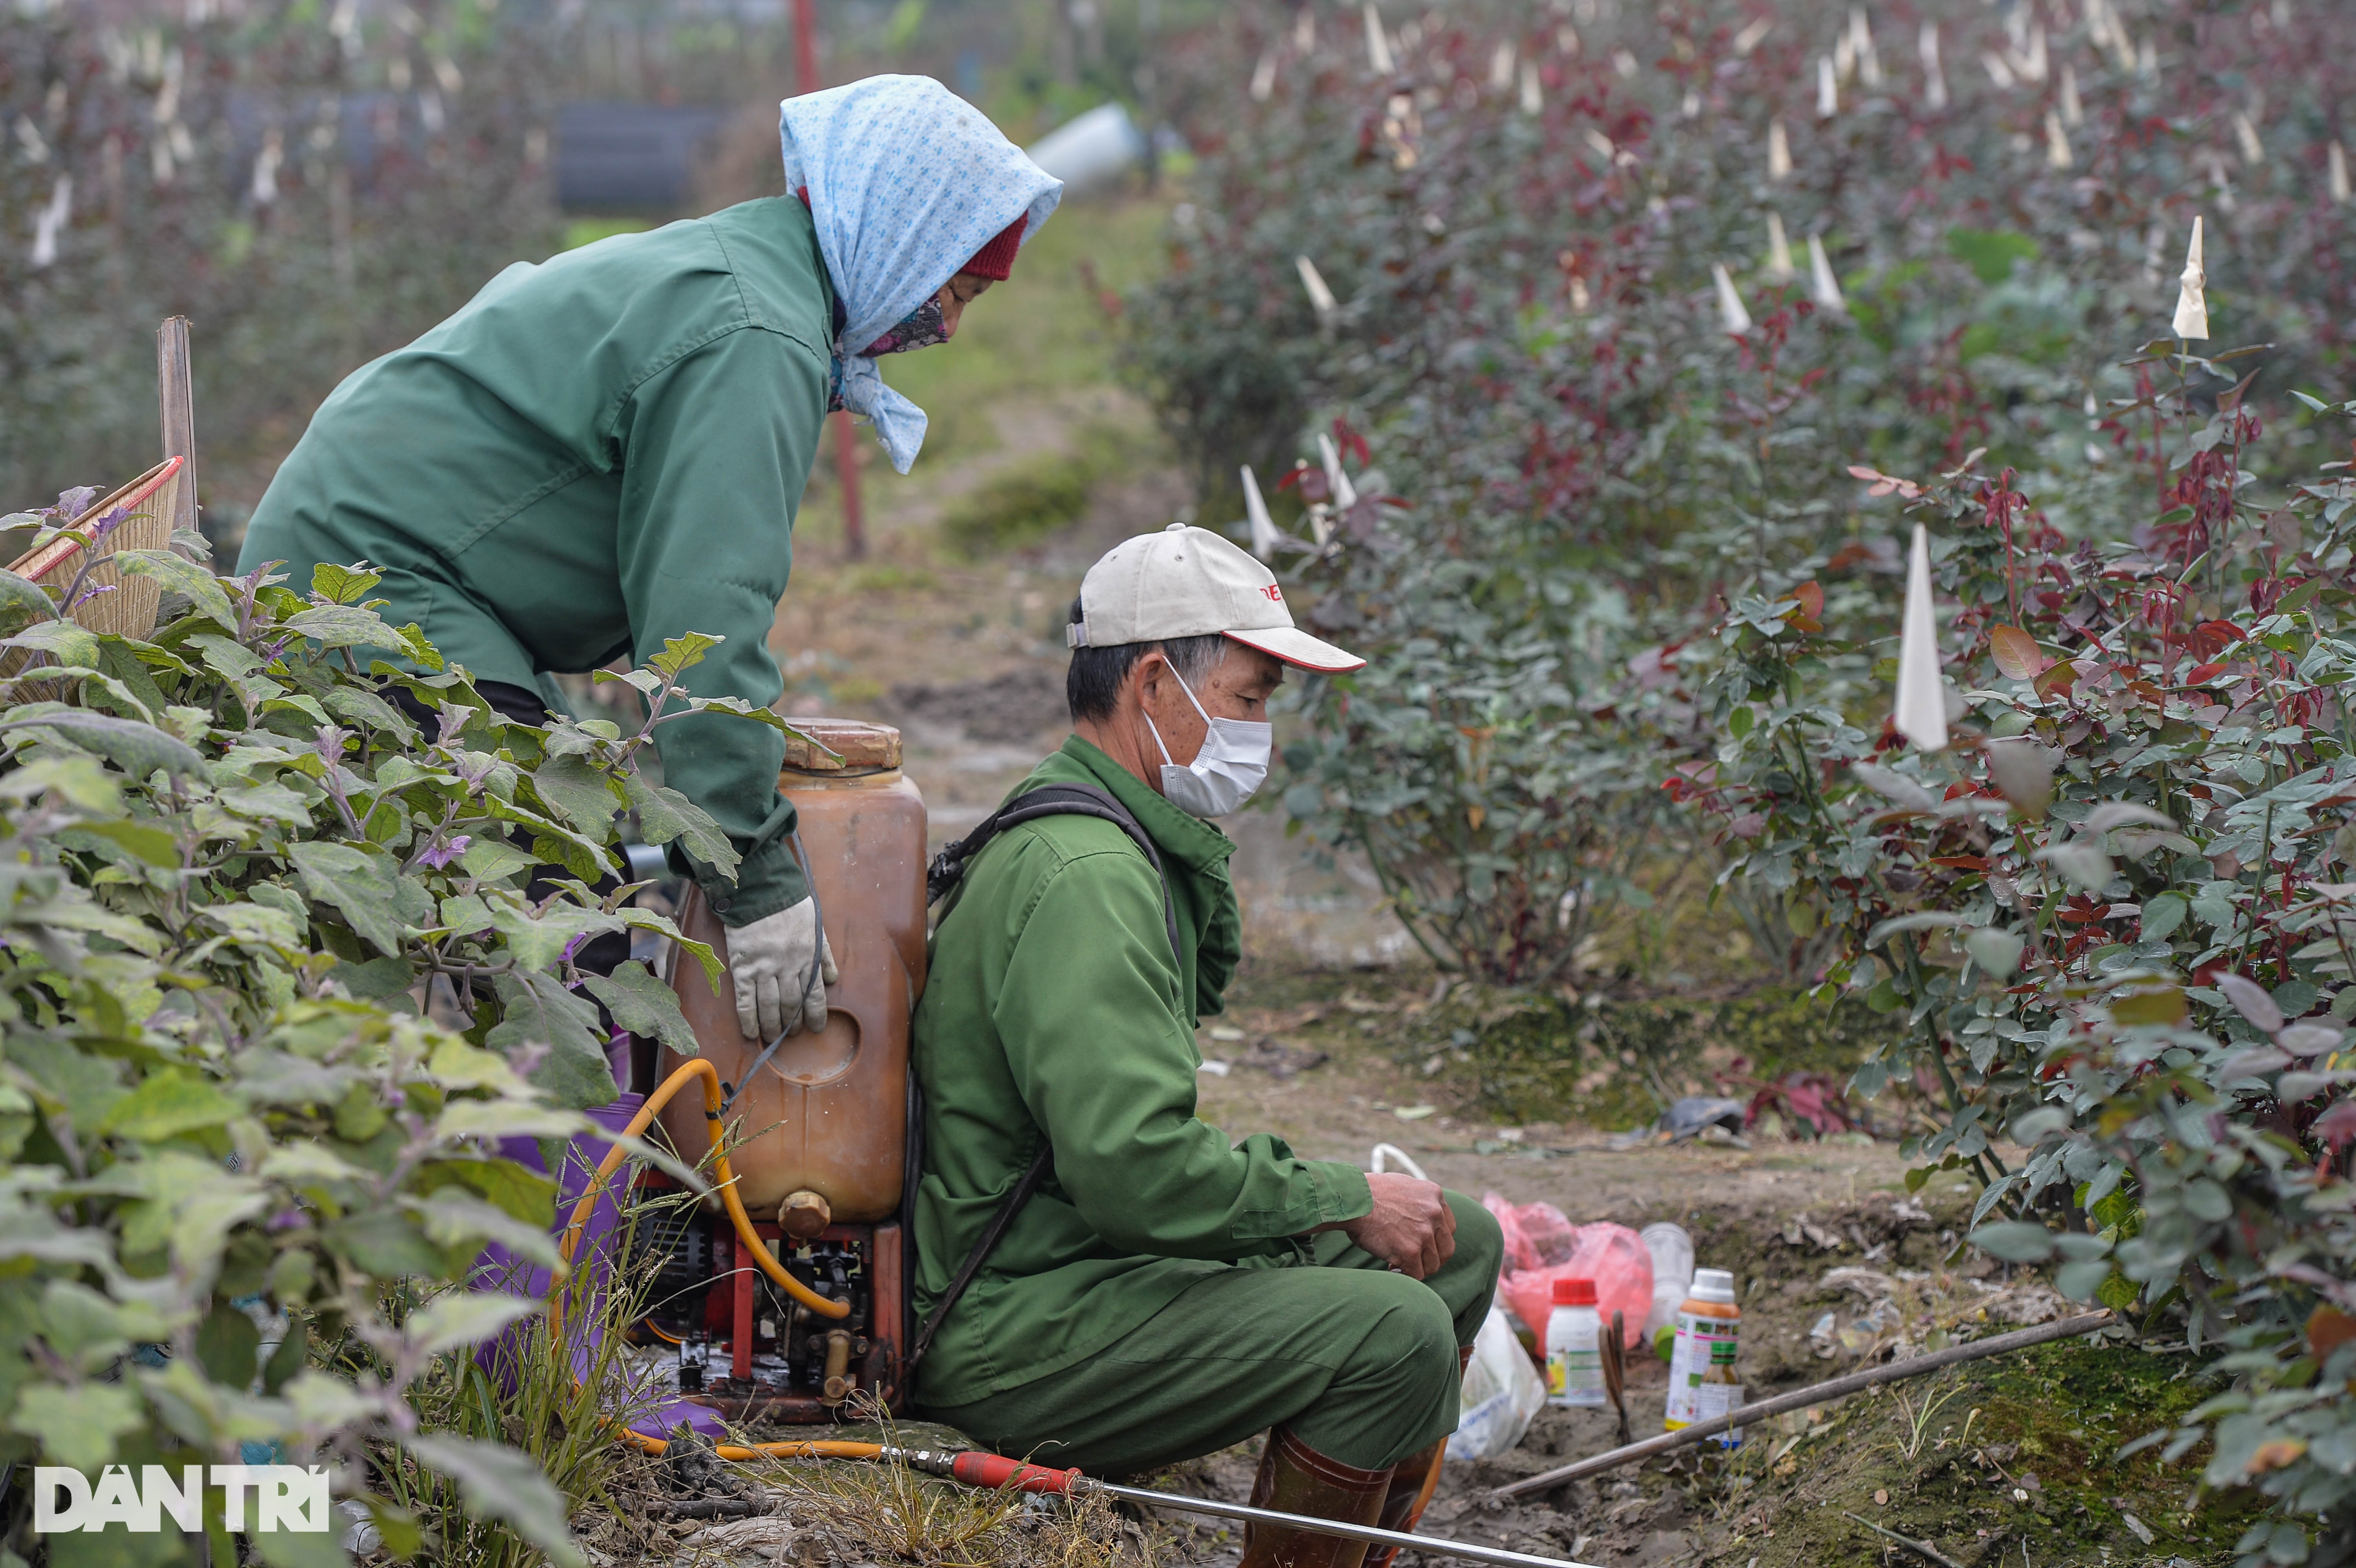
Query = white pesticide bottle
x=1706 y=1315
x=1574 y=1348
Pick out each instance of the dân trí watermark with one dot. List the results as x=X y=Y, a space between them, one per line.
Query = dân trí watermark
x=285 y=1497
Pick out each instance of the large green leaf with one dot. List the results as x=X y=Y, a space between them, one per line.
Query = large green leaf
x=358 y=885
x=343 y=584
x=383 y=1242
x=177 y=572
x=174 y=1101
x=462 y=1317
x=77 y=1427
x=643 y=1005
x=538 y=1010
x=137 y=749
x=525 y=1194
x=342 y=626
x=538 y=944
x=665 y=815
x=579 y=789
x=21 y=602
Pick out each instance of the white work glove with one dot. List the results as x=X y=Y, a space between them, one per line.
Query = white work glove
x=782 y=966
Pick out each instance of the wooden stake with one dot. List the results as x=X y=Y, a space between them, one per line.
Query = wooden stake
x=1800 y=1399
x=176 y=397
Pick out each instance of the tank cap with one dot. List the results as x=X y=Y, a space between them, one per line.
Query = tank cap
x=1574 y=1293
x=1713 y=1285
x=855 y=747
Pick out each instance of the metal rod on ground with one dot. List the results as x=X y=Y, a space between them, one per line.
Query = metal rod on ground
x=975 y=1468
x=1800 y=1399
x=1432 y=1546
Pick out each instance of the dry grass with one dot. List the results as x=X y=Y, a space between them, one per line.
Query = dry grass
x=855 y=1511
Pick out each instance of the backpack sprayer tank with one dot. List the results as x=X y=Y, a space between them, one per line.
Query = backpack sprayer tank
x=820 y=1139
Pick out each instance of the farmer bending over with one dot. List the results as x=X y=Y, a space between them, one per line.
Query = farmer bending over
x=1165 y=1294
x=606 y=450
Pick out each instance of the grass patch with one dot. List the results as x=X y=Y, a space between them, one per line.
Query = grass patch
x=1618 y=1064
x=582 y=231
x=2019 y=1448
x=1023 y=502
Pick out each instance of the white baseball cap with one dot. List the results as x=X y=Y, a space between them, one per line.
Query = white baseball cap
x=1189 y=582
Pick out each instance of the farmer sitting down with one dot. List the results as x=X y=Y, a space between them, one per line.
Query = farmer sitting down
x=1163 y=1294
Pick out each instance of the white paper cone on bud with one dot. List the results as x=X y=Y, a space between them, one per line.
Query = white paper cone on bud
x=1779 y=152
x=1922 y=715
x=1779 y=250
x=1827 y=88
x=2340 y=192
x=1860 y=43
x=2056 y=142
x=1501 y=65
x=1321 y=298
x=1264 y=540
x=1304 y=31
x=2192 y=296
x=2246 y=131
x=1934 y=76
x=2035 y=63
x=1263 y=79
x=1378 y=46
x=1337 y=484
x=2073 y=111
x=1533 y=97
x=1823 y=287
x=1730 y=312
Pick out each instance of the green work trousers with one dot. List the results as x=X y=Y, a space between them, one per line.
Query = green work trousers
x=1358 y=1360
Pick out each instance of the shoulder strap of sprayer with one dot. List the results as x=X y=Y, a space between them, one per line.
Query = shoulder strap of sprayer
x=946 y=879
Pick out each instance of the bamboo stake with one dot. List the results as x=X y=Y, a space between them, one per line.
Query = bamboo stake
x=176 y=396
x=1800 y=1399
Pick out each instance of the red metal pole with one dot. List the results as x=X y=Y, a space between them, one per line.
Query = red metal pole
x=846 y=463
x=805 y=45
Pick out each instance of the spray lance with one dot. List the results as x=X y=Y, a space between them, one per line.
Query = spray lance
x=974 y=1468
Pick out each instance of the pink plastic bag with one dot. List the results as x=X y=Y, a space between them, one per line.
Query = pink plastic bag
x=1537 y=1236
x=1611 y=1255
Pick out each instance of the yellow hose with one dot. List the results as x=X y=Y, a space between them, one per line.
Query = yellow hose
x=575 y=1225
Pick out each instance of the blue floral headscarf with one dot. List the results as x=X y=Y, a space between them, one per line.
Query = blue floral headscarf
x=905 y=181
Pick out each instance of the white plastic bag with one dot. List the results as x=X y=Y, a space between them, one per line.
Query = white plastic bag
x=1503 y=1393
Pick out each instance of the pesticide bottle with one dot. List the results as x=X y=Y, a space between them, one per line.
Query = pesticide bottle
x=1720 y=1393
x=1574 y=1349
x=1707 y=1317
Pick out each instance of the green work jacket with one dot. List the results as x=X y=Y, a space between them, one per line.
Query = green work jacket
x=596 y=453
x=1055 y=1014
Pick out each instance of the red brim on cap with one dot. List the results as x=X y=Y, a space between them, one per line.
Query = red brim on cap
x=1298 y=648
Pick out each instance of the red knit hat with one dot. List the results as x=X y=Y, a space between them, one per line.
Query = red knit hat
x=996 y=260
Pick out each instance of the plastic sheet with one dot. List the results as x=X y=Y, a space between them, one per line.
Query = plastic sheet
x=1503 y=1392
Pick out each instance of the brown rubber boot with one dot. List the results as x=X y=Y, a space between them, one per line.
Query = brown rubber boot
x=1414 y=1480
x=1296 y=1478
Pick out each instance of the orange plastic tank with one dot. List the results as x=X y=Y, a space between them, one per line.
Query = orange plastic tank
x=828 y=1112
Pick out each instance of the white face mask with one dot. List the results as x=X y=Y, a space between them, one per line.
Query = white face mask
x=1227 y=771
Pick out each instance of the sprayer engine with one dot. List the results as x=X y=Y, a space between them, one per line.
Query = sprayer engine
x=819 y=1127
